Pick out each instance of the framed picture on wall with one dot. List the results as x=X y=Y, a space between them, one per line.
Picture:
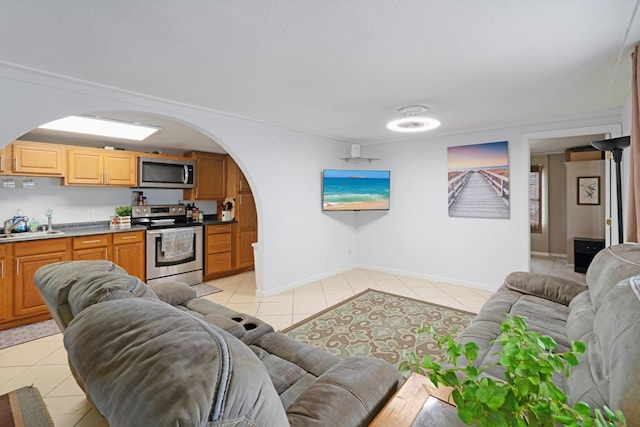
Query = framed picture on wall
x=589 y=190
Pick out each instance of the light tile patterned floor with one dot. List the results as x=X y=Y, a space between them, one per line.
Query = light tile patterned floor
x=43 y=362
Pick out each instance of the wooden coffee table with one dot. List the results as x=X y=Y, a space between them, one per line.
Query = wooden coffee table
x=418 y=403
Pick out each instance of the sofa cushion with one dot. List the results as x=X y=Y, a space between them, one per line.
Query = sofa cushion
x=100 y=287
x=345 y=395
x=553 y=288
x=580 y=319
x=55 y=280
x=610 y=266
x=173 y=293
x=144 y=362
x=609 y=370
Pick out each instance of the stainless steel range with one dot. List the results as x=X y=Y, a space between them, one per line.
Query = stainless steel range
x=173 y=245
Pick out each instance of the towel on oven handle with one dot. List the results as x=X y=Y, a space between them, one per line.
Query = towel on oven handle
x=177 y=242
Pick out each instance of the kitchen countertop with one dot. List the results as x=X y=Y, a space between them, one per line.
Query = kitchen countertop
x=89 y=228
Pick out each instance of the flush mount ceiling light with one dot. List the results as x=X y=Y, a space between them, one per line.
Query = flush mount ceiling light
x=102 y=127
x=414 y=120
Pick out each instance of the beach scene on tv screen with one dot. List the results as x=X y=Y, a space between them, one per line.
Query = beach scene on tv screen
x=355 y=190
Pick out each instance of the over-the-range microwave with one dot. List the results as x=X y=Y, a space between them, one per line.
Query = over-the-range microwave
x=165 y=173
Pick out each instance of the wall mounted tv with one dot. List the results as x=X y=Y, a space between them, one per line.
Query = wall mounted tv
x=355 y=190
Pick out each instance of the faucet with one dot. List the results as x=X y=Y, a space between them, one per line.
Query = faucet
x=10 y=224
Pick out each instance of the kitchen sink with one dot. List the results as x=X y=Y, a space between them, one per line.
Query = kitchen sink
x=30 y=235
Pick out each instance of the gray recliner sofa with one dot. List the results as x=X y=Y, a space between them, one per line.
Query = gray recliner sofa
x=604 y=313
x=156 y=355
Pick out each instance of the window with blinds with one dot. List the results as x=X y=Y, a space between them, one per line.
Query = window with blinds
x=535 y=199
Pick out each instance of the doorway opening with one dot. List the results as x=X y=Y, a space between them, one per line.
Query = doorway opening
x=564 y=217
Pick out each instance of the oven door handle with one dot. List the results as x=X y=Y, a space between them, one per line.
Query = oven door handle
x=159 y=232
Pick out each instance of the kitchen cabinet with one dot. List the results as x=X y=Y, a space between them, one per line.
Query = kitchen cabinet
x=245 y=230
x=218 y=249
x=5 y=281
x=97 y=166
x=35 y=159
x=236 y=181
x=3 y=159
x=210 y=179
x=28 y=258
x=128 y=252
x=93 y=247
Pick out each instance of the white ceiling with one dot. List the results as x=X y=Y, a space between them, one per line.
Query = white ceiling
x=341 y=68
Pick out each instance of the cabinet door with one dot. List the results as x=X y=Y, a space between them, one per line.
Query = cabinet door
x=128 y=253
x=36 y=158
x=29 y=257
x=5 y=282
x=91 y=254
x=247 y=229
x=84 y=167
x=245 y=250
x=3 y=159
x=120 y=169
x=210 y=177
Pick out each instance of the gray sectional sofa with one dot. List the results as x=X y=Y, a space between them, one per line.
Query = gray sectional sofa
x=604 y=313
x=156 y=355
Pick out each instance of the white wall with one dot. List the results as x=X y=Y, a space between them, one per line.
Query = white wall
x=417 y=237
x=297 y=243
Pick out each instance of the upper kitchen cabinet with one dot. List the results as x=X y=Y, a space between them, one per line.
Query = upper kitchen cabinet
x=33 y=159
x=3 y=159
x=236 y=181
x=211 y=174
x=97 y=166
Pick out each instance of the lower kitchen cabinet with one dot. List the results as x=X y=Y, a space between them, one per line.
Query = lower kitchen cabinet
x=247 y=230
x=128 y=252
x=28 y=258
x=93 y=247
x=5 y=281
x=218 y=247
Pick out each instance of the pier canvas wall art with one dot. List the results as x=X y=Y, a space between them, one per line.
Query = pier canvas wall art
x=478 y=180
x=355 y=190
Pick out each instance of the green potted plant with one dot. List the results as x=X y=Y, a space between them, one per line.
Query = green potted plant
x=124 y=216
x=526 y=397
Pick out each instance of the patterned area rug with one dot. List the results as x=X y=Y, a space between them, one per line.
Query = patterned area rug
x=23 y=408
x=378 y=324
x=22 y=334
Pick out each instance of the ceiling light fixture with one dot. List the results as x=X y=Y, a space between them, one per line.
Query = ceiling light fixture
x=102 y=127
x=414 y=120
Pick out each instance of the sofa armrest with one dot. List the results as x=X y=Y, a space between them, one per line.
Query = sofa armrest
x=349 y=394
x=545 y=286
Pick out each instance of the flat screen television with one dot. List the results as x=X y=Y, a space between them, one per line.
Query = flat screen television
x=355 y=190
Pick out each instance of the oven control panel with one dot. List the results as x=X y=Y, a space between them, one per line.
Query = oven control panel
x=158 y=211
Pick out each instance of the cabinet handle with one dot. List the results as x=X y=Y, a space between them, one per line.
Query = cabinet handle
x=15 y=163
x=17 y=267
x=86 y=242
x=107 y=177
x=2 y=264
x=129 y=237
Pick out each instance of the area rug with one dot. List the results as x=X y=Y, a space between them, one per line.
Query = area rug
x=378 y=324
x=24 y=408
x=204 y=289
x=22 y=334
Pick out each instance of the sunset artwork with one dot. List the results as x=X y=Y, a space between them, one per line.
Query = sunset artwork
x=478 y=182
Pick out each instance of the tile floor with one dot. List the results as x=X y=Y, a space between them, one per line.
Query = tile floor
x=43 y=362
x=555 y=267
